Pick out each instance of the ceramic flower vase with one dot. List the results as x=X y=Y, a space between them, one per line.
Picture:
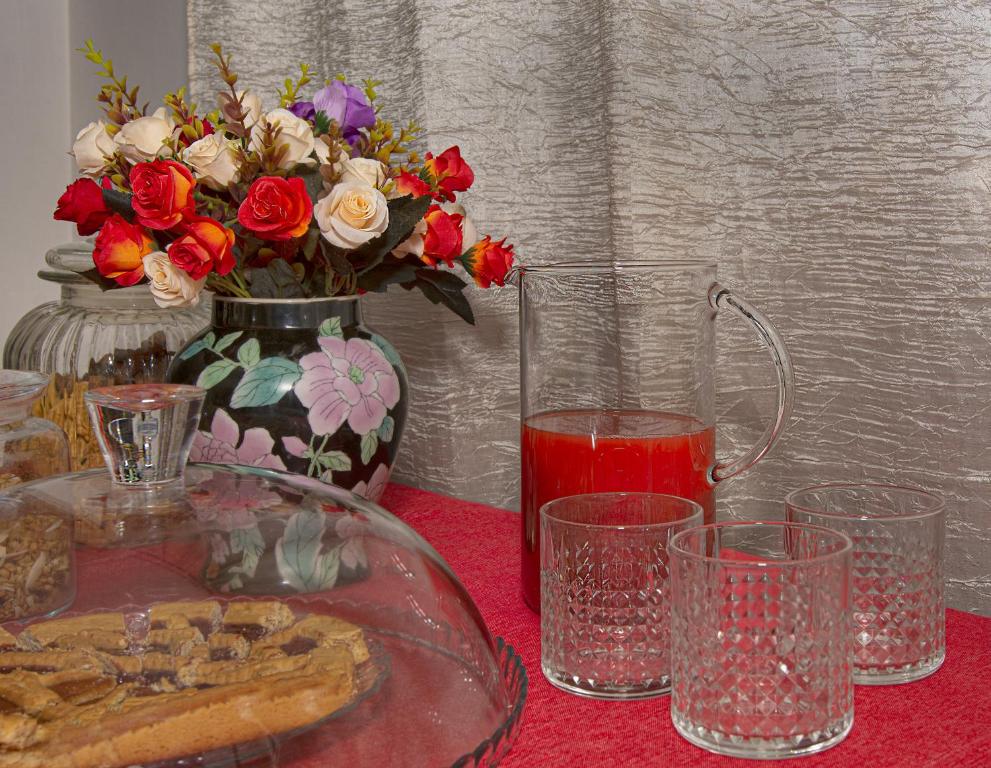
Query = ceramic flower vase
x=300 y=385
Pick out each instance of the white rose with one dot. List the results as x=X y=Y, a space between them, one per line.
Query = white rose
x=353 y=213
x=362 y=169
x=164 y=114
x=213 y=161
x=322 y=150
x=412 y=245
x=170 y=285
x=250 y=103
x=469 y=232
x=143 y=139
x=91 y=146
x=296 y=134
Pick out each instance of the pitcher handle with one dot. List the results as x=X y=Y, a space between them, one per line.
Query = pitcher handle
x=719 y=297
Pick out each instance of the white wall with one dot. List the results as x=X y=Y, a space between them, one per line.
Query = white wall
x=146 y=39
x=48 y=93
x=34 y=135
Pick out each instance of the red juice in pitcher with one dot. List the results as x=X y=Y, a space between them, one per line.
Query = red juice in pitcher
x=588 y=451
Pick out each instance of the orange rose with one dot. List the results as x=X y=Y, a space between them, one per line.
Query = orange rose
x=488 y=262
x=408 y=184
x=442 y=240
x=163 y=193
x=204 y=246
x=119 y=249
x=276 y=208
x=450 y=173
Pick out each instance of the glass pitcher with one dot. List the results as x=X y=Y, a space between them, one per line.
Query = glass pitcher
x=617 y=378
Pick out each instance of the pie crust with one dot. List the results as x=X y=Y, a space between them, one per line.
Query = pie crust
x=102 y=691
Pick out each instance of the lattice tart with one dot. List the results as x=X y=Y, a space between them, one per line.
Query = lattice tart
x=109 y=689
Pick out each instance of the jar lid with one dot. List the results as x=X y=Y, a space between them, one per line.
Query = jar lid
x=67 y=261
x=17 y=385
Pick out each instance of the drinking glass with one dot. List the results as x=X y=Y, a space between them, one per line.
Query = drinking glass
x=760 y=653
x=899 y=617
x=617 y=376
x=604 y=591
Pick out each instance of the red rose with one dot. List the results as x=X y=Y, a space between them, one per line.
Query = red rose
x=442 y=240
x=276 y=208
x=450 y=173
x=408 y=184
x=163 y=193
x=488 y=262
x=119 y=248
x=82 y=202
x=204 y=246
x=208 y=128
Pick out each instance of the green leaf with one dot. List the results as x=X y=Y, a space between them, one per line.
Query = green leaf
x=388 y=350
x=249 y=353
x=339 y=263
x=369 y=444
x=312 y=179
x=328 y=566
x=321 y=123
x=381 y=277
x=310 y=243
x=193 y=349
x=286 y=279
x=118 y=202
x=251 y=543
x=266 y=383
x=337 y=461
x=297 y=553
x=387 y=429
x=404 y=213
x=276 y=281
x=210 y=339
x=331 y=327
x=226 y=341
x=445 y=288
x=215 y=373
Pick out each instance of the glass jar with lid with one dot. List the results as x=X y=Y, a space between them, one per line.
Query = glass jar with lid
x=91 y=338
x=30 y=447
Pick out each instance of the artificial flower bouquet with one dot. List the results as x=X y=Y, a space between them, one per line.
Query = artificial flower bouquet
x=319 y=197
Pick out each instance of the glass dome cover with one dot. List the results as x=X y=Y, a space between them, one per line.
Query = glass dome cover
x=236 y=616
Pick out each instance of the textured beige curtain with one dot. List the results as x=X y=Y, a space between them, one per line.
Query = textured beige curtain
x=833 y=158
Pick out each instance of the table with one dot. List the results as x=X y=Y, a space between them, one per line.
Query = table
x=942 y=721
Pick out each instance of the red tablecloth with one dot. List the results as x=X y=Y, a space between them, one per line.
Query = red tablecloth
x=942 y=721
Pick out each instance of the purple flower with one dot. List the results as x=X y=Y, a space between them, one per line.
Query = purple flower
x=303 y=110
x=347 y=106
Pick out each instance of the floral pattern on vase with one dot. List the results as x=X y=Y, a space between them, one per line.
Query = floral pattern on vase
x=346 y=381
x=258 y=540
x=223 y=444
x=375 y=486
x=323 y=397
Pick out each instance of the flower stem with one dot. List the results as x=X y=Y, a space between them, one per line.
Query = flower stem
x=314 y=463
x=239 y=279
x=229 y=286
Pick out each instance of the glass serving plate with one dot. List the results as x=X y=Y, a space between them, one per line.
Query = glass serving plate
x=441 y=690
